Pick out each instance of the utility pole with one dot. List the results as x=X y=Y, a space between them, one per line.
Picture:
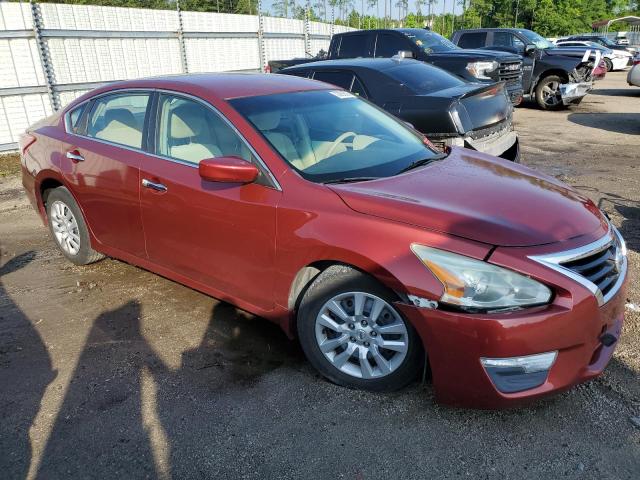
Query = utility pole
x=515 y=21
x=444 y=6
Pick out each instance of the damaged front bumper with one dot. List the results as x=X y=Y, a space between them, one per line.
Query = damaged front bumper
x=574 y=92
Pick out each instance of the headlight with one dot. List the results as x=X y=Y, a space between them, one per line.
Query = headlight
x=480 y=69
x=476 y=285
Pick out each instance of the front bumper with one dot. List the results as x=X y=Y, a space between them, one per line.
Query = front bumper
x=456 y=342
x=574 y=92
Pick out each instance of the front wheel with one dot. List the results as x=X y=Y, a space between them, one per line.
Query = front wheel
x=354 y=336
x=609 y=64
x=548 y=94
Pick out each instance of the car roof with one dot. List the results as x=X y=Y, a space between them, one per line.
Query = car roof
x=378 y=64
x=223 y=86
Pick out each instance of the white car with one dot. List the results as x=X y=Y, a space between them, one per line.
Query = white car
x=614 y=59
x=622 y=41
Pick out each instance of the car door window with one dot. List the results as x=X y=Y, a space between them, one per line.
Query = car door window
x=191 y=132
x=339 y=79
x=119 y=118
x=507 y=39
x=389 y=45
x=358 y=88
x=473 y=40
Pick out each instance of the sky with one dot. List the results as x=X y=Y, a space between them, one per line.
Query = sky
x=437 y=7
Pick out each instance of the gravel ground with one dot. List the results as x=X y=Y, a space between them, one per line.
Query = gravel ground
x=110 y=371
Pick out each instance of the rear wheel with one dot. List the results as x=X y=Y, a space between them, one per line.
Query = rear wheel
x=548 y=93
x=354 y=336
x=69 y=229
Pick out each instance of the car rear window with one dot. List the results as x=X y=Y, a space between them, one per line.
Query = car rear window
x=473 y=40
x=423 y=78
x=353 y=46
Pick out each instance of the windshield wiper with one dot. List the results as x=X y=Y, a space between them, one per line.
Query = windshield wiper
x=420 y=163
x=351 y=180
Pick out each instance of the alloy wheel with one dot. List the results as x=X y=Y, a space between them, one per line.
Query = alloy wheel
x=65 y=227
x=551 y=93
x=361 y=335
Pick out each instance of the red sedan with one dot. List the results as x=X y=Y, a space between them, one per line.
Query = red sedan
x=315 y=209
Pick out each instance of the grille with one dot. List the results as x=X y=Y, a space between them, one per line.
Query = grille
x=510 y=72
x=599 y=268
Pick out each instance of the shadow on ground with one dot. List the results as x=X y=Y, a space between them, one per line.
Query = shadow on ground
x=617 y=92
x=626 y=123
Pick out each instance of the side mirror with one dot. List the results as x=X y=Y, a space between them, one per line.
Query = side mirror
x=529 y=49
x=227 y=170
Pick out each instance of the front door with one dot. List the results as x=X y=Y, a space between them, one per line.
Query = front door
x=221 y=235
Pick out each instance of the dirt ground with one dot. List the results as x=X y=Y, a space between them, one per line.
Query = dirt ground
x=109 y=371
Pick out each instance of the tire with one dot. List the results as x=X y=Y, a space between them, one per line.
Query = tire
x=609 y=64
x=69 y=229
x=381 y=369
x=549 y=99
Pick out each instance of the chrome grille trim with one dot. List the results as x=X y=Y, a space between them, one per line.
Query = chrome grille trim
x=555 y=261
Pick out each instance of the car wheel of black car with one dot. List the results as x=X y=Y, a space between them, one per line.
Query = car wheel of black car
x=548 y=93
x=609 y=64
x=354 y=336
x=68 y=228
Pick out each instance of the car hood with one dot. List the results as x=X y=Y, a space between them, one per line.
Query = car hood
x=480 y=198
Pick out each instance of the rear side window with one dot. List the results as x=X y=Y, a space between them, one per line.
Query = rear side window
x=119 y=118
x=421 y=78
x=358 y=88
x=389 y=45
x=472 y=40
x=74 y=117
x=339 y=79
x=353 y=46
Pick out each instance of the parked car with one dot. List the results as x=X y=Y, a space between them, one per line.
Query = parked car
x=309 y=206
x=554 y=77
x=614 y=59
x=602 y=40
x=622 y=40
x=426 y=46
x=448 y=110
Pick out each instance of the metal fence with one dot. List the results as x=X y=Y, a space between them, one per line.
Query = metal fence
x=52 y=53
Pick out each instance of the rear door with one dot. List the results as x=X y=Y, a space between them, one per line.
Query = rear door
x=102 y=152
x=221 y=235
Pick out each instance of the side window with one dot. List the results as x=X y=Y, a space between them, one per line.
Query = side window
x=339 y=79
x=389 y=45
x=74 y=117
x=119 y=118
x=191 y=132
x=358 y=88
x=507 y=39
x=300 y=73
x=472 y=40
x=353 y=46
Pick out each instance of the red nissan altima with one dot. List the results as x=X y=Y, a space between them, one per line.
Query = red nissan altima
x=315 y=209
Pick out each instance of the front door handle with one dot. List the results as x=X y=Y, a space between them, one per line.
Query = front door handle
x=75 y=156
x=158 y=187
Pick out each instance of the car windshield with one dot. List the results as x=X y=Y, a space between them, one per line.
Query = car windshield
x=540 y=42
x=332 y=135
x=429 y=41
x=422 y=78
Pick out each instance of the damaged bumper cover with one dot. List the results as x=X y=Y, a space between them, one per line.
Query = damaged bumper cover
x=574 y=92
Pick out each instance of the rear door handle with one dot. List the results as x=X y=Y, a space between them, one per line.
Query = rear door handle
x=158 y=187
x=75 y=156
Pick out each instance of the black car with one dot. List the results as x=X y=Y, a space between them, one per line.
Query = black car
x=553 y=76
x=426 y=46
x=447 y=109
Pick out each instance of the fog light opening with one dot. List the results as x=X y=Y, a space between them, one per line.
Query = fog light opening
x=516 y=374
